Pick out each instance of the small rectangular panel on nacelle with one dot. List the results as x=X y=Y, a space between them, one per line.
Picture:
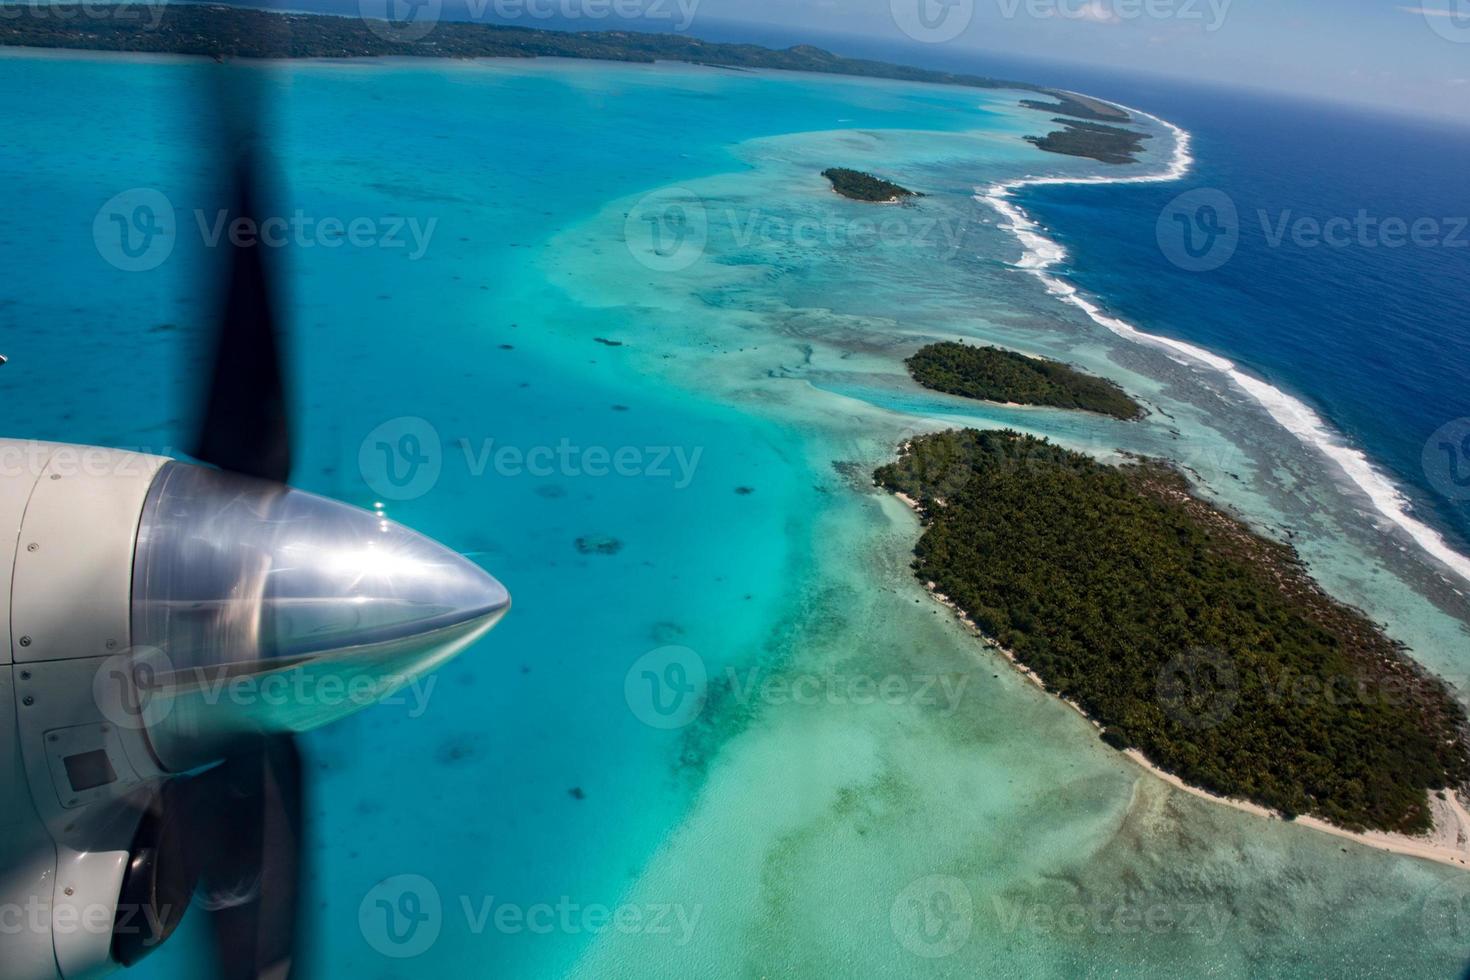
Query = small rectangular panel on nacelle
x=94 y=750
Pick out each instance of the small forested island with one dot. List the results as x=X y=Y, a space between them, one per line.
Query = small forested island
x=1096 y=141
x=860 y=186
x=997 y=375
x=1180 y=631
x=1092 y=137
x=1079 y=106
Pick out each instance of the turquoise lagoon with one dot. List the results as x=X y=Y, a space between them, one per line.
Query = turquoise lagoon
x=723 y=733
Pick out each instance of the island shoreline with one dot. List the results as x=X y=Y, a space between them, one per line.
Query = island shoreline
x=1451 y=810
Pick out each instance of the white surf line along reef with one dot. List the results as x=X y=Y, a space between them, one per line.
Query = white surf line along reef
x=1042 y=253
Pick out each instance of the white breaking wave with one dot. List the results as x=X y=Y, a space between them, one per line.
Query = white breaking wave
x=1042 y=253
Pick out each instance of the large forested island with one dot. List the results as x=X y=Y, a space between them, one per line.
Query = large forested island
x=225 y=31
x=997 y=375
x=1186 y=635
x=221 y=31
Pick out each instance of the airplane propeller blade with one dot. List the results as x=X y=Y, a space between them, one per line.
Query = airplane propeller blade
x=251 y=860
x=252 y=865
x=246 y=426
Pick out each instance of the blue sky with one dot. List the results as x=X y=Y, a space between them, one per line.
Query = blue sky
x=1408 y=53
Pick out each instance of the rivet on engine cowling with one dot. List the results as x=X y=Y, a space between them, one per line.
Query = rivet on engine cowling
x=33 y=547
x=27 y=700
x=25 y=641
x=112 y=644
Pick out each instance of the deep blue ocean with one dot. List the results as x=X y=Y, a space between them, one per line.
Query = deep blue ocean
x=1375 y=336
